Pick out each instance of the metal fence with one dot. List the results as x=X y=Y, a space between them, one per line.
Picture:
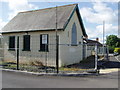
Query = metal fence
x=41 y=55
x=30 y=57
x=91 y=55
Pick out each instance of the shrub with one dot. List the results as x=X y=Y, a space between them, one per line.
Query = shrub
x=117 y=50
x=31 y=63
x=39 y=63
x=36 y=63
x=111 y=49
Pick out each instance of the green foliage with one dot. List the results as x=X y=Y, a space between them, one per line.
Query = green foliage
x=117 y=50
x=112 y=41
x=118 y=43
x=111 y=49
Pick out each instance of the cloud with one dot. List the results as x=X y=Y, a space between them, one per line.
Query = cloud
x=16 y=7
x=3 y=0
x=109 y=29
x=2 y=24
x=98 y=13
x=105 y=0
x=69 y=0
x=95 y=15
x=98 y=31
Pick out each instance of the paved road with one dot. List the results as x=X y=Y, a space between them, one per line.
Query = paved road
x=117 y=58
x=20 y=80
x=113 y=63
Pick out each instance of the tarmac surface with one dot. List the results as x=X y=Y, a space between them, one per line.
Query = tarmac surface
x=108 y=78
x=20 y=80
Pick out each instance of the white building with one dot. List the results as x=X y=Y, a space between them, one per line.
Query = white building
x=36 y=31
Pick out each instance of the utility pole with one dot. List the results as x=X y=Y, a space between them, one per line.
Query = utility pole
x=57 y=52
x=103 y=36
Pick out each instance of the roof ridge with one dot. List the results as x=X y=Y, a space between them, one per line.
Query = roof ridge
x=48 y=8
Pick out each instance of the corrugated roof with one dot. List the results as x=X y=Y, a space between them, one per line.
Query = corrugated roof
x=42 y=19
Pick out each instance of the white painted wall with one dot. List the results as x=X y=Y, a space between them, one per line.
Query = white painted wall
x=67 y=54
x=34 y=54
x=1 y=48
x=71 y=54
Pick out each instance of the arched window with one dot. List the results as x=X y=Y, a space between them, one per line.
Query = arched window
x=74 y=35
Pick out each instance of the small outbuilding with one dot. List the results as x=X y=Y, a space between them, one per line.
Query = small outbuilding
x=36 y=30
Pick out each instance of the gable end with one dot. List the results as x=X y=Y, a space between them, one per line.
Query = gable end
x=79 y=18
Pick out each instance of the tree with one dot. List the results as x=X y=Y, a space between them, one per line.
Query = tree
x=112 y=41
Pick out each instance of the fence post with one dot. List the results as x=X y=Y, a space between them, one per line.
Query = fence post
x=57 y=54
x=18 y=53
x=46 y=58
x=107 y=53
x=86 y=51
x=96 y=56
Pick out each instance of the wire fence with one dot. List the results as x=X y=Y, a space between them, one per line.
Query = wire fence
x=38 y=54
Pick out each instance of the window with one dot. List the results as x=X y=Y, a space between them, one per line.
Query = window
x=44 y=42
x=74 y=35
x=26 y=43
x=12 y=43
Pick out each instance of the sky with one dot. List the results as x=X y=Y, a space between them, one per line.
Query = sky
x=93 y=13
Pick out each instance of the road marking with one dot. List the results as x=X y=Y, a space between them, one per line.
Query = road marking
x=116 y=57
x=108 y=70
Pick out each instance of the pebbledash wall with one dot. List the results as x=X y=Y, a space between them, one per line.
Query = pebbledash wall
x=67 y=54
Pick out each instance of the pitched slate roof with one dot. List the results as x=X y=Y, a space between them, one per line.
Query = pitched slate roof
x=92 y=42
x=43 y=19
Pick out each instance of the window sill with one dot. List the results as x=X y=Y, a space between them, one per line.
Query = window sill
x=11 y=49
x=43 y=51
x=26 y=50
x=74 y=45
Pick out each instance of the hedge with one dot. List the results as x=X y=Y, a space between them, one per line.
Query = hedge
x=117 y=50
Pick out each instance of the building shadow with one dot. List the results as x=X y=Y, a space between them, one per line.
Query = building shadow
x=108 y=64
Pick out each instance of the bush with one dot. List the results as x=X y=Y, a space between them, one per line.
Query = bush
x=36 y=63
x=117 y=50
x=111 y=49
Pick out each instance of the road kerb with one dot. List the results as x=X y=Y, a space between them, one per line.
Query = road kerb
x=102 y=71
x=105 y=71
x=51 y=74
